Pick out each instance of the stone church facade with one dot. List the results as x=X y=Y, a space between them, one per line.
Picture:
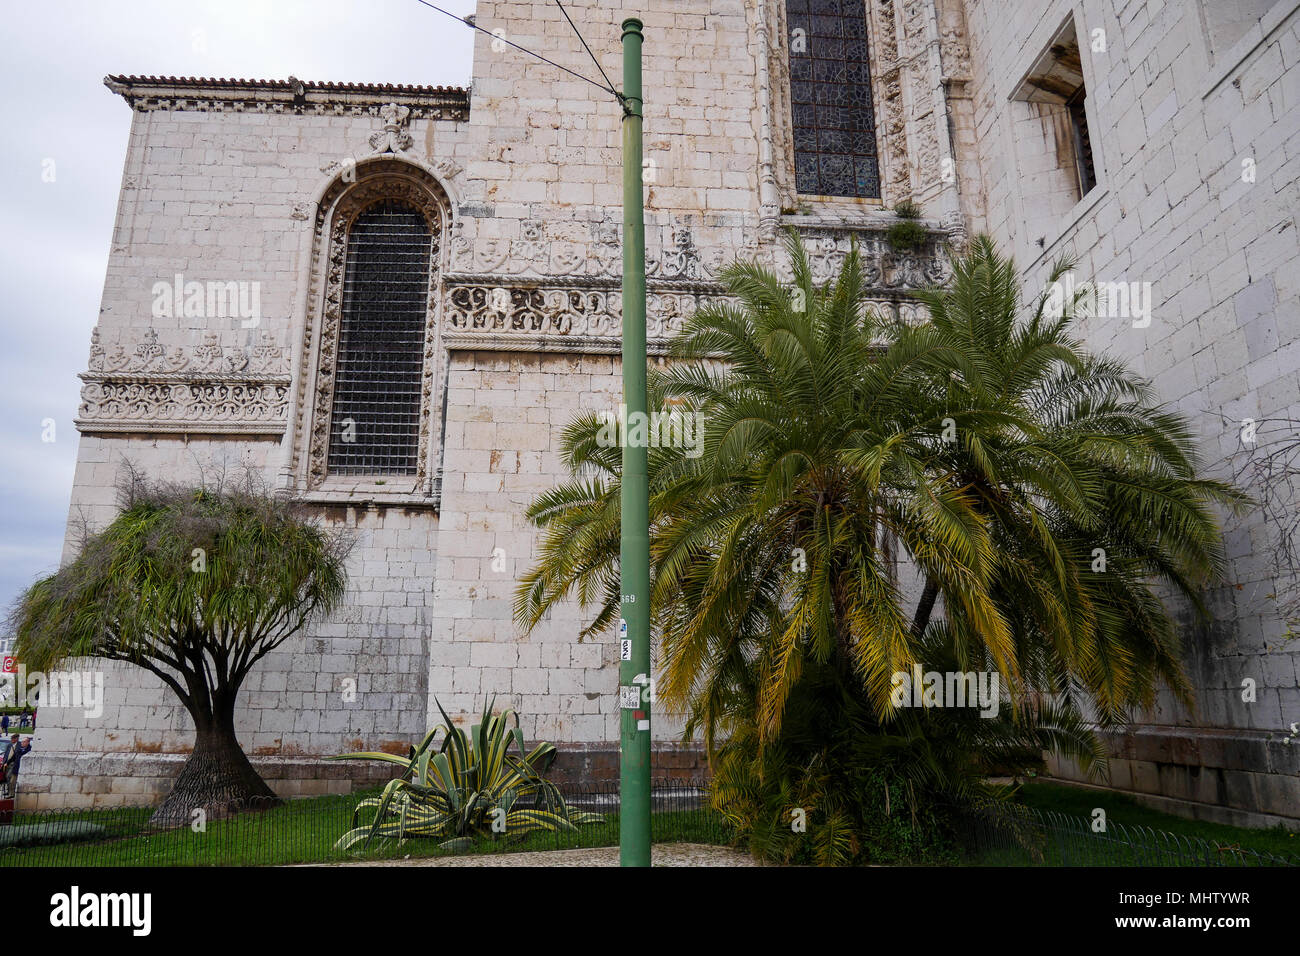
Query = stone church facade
x=504 y=199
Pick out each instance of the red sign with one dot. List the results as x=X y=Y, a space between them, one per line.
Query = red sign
x=11 y=665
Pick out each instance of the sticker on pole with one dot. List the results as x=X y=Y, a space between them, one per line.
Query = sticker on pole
x=629 y=698
x=625 y=650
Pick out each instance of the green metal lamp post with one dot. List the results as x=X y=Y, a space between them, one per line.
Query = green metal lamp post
x=634 y=552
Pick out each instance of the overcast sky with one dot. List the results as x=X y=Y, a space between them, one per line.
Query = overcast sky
x=56 y=234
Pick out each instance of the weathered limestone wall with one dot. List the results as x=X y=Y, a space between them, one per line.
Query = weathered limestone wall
x=506 y=415
x=241 y=183
x=543 y=222
x=220 y=186
x=1174 y=121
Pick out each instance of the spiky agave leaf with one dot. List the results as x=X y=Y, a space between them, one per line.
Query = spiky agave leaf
x=469 y=783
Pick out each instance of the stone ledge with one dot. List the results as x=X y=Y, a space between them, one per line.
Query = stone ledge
x=75 y=780
x=1191 y=809
x=287 y=96
x=1257 y=751
x=1229 y=775
x=591 y=763
x=65 y=780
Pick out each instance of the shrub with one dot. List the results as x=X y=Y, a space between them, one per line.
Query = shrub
x=906 y=235
x=862 y=790
x=469 y=784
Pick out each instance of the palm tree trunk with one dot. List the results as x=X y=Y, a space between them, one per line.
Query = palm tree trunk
x=217 y=778
x=925 y=607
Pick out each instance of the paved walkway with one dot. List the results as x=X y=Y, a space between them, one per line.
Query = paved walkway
x=666 y=854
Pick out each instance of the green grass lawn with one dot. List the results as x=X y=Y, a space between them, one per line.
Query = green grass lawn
x=1134 y=835
x=1078 y=802
x=304 y=831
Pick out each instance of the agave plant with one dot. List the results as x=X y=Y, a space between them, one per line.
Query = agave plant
x=471 y=785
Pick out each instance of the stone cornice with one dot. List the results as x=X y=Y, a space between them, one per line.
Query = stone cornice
x=204 y=94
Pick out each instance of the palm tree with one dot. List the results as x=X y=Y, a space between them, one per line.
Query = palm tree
x=1092 y=489
x=993 y=453
x=195 y=585
x=777 y=535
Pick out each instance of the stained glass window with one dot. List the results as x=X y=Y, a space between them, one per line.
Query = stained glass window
x=375 y=422
x=830 y=93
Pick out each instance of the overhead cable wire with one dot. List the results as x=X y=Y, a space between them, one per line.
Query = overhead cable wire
x=583 y=40
x=497 y=36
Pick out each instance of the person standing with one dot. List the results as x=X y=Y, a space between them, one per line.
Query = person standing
x=4 y=724
x=13 y=759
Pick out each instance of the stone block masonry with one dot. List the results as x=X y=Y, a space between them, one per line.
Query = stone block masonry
x=1196 y=144
x=254 y=181
x=564 y=689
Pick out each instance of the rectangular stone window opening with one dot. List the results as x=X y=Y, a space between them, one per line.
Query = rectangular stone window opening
x=1051 y=134
x=833 y=120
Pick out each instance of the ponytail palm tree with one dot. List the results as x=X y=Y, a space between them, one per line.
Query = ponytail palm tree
x=983 y=452
x=194 y=585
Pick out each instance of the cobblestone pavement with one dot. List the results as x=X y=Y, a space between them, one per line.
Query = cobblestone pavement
x=668 y=854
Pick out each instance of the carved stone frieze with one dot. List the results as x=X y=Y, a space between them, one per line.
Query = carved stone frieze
x=927 y=152
x=555 y=316
x=455 y=112
x=915 y=15
x=508 y=261
x=122 y=405
x=671 y=253
x=887 y=77
x=898 y=180
x=149 y=356
x=146 y=94
x=886 y=48
x=883 y=269
x=209 y=387
x=583 y=313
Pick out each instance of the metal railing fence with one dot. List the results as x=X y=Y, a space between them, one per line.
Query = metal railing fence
x=306 y=831
x=1015 y=835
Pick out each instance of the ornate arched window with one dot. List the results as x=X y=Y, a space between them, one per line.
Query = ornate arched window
x=834 y=122
x=369 y=351
x=375 y=418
